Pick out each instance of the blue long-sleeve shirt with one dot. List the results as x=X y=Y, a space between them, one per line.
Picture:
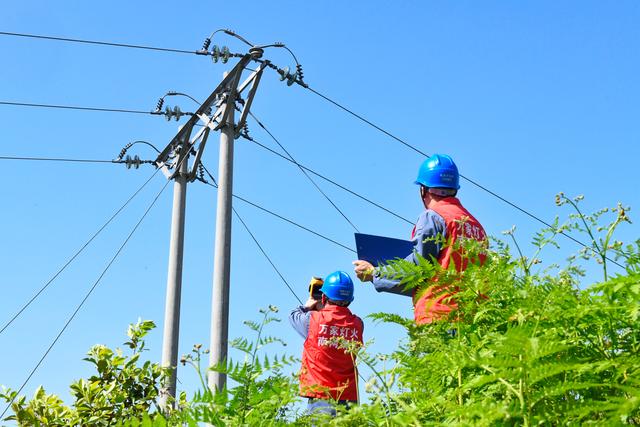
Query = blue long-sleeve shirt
x=428 y=226
x=299 y=319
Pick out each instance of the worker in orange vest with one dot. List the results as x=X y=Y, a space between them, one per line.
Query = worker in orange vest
x=443 y=223
x=328 y=373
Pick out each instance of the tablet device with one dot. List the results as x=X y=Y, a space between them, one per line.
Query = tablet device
x=379 y=249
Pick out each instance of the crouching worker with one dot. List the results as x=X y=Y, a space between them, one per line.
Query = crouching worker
x=328 y=372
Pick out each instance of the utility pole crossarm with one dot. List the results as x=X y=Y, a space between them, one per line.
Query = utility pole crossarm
x=255 y=81
x=182 y=136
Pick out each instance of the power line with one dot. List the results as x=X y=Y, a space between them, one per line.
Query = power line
x=246 y=227
x=370 y=123
x=304 y=172
x=306 y=86
x=77 y=253
x=417 y=150
x=96 y=42
x=74 y=107
x=322 y=236
x=56 y=159
x=329 y=180
x=471 y=181
x=53 y=343
x=294 y=223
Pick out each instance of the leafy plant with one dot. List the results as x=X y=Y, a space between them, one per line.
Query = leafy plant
x=122 y=388
x=263 y=393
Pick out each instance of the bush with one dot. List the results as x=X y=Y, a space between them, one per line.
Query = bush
x=121 y=389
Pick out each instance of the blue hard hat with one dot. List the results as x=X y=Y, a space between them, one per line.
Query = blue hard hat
x=439 y=171
x=338 y=286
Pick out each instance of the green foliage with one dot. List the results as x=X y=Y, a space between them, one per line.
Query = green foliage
x=261 y=393
x=528 y=345
x=123 y=388
x=524 y=348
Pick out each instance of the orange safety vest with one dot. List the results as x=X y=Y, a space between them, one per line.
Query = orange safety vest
x=328 y=372
x=434 y=303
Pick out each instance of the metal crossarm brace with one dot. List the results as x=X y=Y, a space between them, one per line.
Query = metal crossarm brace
x=229 y=89
x=214 y=122
x=254 y=79
x=182 y=137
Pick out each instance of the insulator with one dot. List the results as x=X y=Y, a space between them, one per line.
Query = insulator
x=168 y=113
x=205 y=45
x=291 y=78
x=132 y=162
x=160 y=104
x=225 y=54
x=201 y=172
x=177 y=113
x=284 y=73
x=124 y=151
x=299 y=72
x=215 y=53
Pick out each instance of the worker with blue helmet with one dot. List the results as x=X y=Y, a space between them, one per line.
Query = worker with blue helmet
x=443 y=222
x=328 y=373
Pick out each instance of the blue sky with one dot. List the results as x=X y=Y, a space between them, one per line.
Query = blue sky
x=530 y=98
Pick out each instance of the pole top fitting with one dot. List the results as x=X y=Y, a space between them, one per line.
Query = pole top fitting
x=256 y=52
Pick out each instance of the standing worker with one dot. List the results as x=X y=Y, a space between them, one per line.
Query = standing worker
x=328 y=373
x=444 y=222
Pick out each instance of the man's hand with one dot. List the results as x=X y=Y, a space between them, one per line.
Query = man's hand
x=364 y=270
x=312 y=304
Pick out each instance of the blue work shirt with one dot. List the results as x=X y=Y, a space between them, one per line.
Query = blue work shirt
x=428 y=226
x=299 y=319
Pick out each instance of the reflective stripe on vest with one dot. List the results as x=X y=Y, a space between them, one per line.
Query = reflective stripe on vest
x=433 y=304
x=328 y=372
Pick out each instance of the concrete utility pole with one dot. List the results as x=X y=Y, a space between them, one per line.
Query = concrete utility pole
x=174 y=163
x=174 y=280
x=222 y=257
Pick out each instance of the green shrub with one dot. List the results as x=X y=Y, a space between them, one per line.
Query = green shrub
x=122 y=389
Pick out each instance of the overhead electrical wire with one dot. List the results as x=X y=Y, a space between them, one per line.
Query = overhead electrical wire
x=55 y=159
x=255 y=240
x=84 y=300
x=77 y=253
x=321 y=95
x=270 y=212
x=74 y=107
x=294 y=223
x=246 y=227
x=242 y=199
x=96 y=42
x=329 y=180
x=304 y=172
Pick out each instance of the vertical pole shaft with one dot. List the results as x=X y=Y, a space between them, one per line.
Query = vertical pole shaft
x=174 y=283
x=222 y=257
